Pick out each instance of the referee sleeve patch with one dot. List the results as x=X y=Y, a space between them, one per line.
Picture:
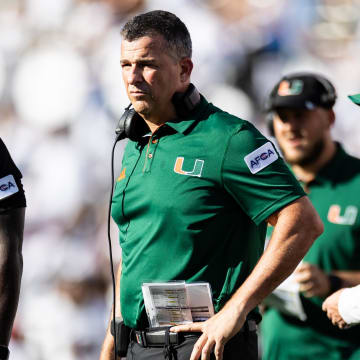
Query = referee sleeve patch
x=7 y=186
x=261 y=157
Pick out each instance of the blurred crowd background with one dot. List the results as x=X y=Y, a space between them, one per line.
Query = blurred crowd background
x=61 y=95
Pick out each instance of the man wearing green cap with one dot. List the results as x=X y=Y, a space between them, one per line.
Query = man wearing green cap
x=302 y=115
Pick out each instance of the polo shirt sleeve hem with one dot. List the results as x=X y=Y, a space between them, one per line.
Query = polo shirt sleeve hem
x=279 y=204
x=14 y=201
x=4 y=210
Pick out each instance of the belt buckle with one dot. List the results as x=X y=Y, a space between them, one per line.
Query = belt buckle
x=174 y=338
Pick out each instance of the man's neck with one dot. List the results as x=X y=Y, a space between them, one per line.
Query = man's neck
x=155 y=120
x=159 y=117
x=153 y=127
x=307 y=173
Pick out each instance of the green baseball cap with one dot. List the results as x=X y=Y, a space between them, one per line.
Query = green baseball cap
x=355 y=99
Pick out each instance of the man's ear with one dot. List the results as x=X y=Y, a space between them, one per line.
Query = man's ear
x=186 y=66
x=331 y=115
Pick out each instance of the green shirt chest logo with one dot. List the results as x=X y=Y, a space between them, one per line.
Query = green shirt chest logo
x=348 y=218
x=196 y=171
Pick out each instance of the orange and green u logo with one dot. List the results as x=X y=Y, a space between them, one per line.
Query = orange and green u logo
x=286 y=88
x=196 y=171
x=348 y=218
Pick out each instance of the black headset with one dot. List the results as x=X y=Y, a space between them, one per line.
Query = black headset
x=328 y=99
x=131 y=125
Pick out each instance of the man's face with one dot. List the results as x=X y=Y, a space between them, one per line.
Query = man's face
x=301 y=133
x=151 y=76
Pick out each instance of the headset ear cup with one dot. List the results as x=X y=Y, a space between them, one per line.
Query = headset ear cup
x=128 y=124
x=135 y=126
x=185 y=102
x=121 y=129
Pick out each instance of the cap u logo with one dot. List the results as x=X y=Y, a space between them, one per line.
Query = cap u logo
x=196 y=170
x=286 y=88
x=348 y=218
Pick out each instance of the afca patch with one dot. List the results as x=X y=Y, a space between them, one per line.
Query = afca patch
x=261 y=157
x=7 y=186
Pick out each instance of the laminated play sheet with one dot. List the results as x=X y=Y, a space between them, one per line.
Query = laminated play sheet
x=286 y=298
x=177 y=303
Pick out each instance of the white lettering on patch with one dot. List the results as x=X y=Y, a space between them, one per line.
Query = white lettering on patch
x=261 y=157
x=7 y=186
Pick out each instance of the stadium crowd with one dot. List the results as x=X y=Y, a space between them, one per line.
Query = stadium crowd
x=61 y=95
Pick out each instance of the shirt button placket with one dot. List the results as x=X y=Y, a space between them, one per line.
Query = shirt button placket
x=150 y=153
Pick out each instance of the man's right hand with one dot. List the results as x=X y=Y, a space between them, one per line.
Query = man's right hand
x=216 y=332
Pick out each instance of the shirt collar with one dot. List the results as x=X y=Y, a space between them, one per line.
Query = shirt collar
x=184 y=124
x=330 y=172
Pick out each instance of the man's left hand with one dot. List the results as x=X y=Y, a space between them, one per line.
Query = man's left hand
x=313 y=281
x=331 y=306
x=216 y=332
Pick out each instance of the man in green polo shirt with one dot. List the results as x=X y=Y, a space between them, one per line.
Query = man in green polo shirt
x=301 y=122
x=196 y=189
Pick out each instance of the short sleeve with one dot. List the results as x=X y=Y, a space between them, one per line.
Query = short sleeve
x=256 y=176
x=11 y=190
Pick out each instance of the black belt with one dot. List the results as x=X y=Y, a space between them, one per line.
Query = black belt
x=157 y=337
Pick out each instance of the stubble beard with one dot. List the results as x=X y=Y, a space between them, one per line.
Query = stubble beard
x=142 y=107
x=309 y=157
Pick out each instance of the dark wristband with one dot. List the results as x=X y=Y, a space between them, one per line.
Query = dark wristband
x=4 y=352
x=335 y=283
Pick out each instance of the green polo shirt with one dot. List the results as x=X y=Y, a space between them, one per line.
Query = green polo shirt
x=335 y=195
x=189 y=208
